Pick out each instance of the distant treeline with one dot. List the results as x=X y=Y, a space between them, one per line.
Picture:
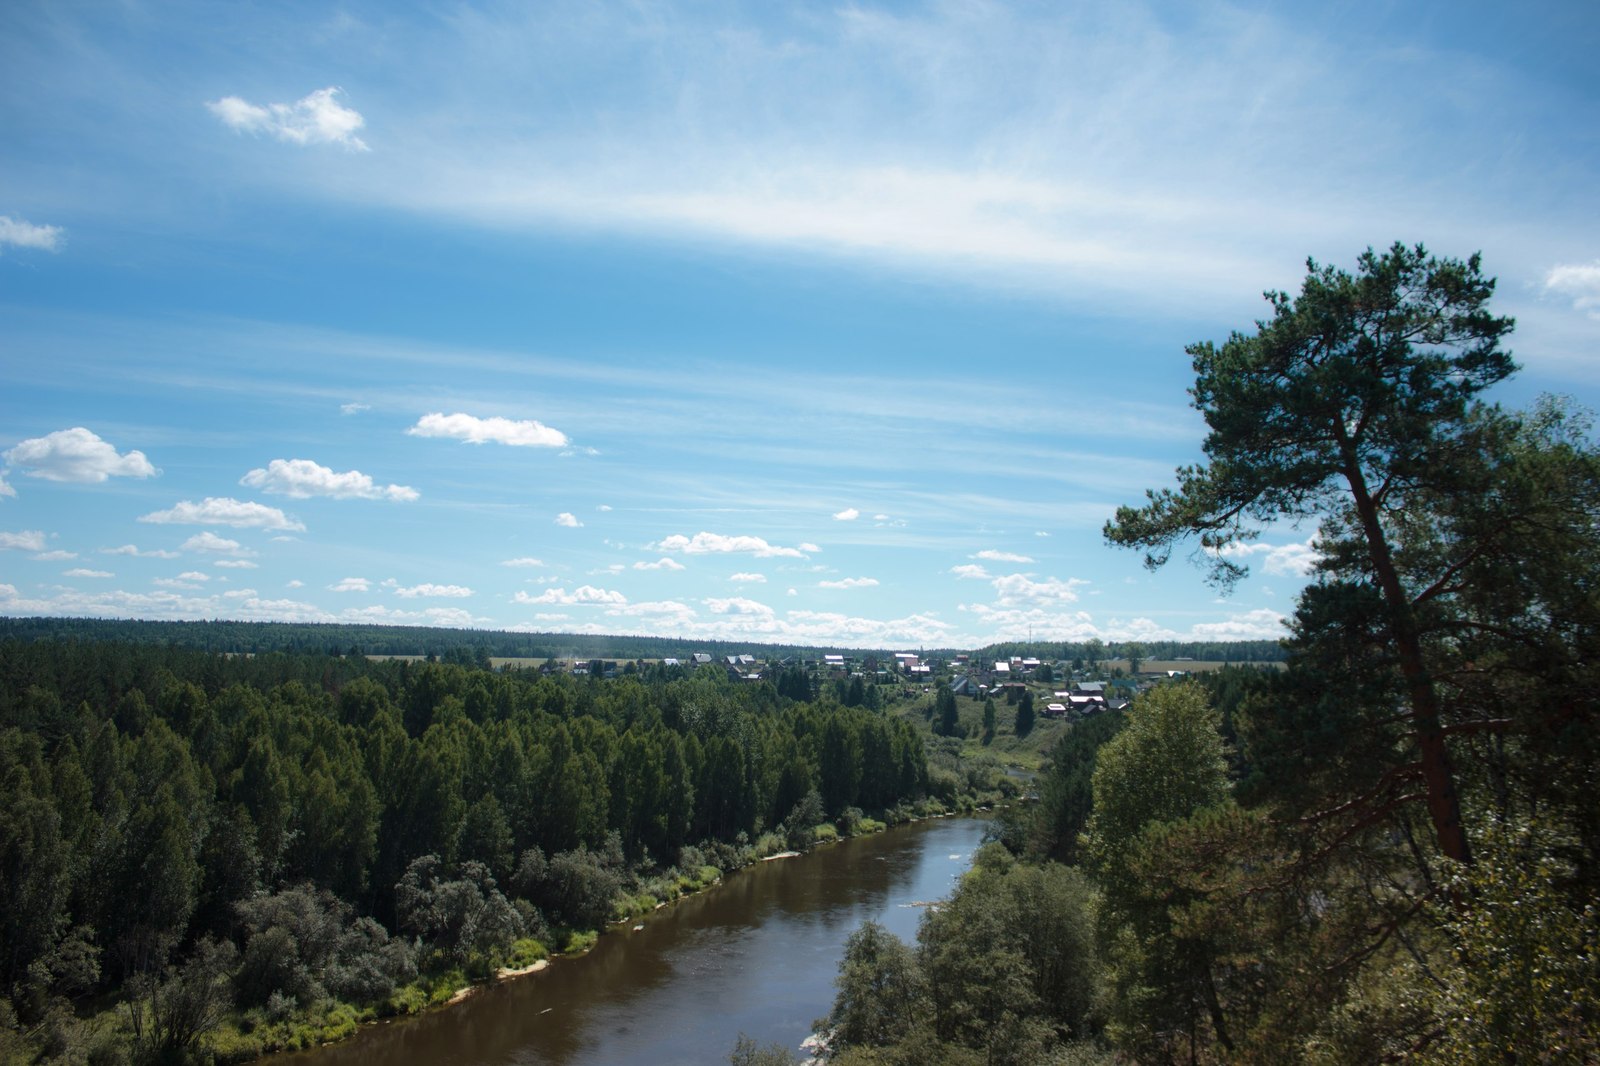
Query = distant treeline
x=469 y=645
x=1094 y=651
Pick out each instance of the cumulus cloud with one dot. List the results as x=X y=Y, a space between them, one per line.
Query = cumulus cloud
x=5 y=487
x=317 y=118
x=522 y=561
x=134 y=551
x=583 y=595
x=57 y=555
x=302 y=478
x=1002 y=557
x=568 y=519
x=429 y=589
x=712 y=543
x=76 y=455
x=849 y=583
x=1020 y=590
x=663 y=563
x=354 y=408
x=351 y=584
x=740 y=606
x=224 y=511
x=849 y=514
x=193 y=575
x=970 y=570
x=1298 y=559
x=21 y=234
x=235 y=564
x=85 y=572
x=749 y=579
x=28 y=540
x=212 y=544
x=473 y=430
x=1579 y=282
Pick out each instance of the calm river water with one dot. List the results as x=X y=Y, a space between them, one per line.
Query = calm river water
x=757 y=955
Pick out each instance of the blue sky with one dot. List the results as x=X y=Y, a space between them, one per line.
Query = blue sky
x=844 y=324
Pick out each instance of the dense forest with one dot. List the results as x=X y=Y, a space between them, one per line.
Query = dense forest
x=263 y=838
x=1387 y=851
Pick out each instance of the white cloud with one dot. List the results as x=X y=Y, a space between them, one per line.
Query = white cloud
x=157 y=553
x=849 y=514
x=1298 y=559
x=428 y=589
x=29 y=540
x=1578 y=281
x=792 y=592
x=1041 y=533
x=663 y=563
x=314 y=119
x=1002 y=557
x=76 y=455
x=21 y=234
x=173 y=583
x=235 y=564
x=5 y=486
x=354 y=408
x=57 y=556
x=568 y=519
x=584 y=595
x=473 y=430
x=302 y=478
x=225 y=511
x=84 y=572
x=213 y=544
x=603 y=507
x=352 y=584
x=296 y=583
x=849 y=583
x=740 y=606
x=193 y=575
x=749 y=579
x=807 y=546
x=1020 y=590
x=711 y=543
x=970 y=570
x=1260 y=624
x=523 y=561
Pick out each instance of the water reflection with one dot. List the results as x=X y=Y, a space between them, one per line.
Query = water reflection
x=757 y=955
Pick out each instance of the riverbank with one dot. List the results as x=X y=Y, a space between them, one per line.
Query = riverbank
x=758 y=955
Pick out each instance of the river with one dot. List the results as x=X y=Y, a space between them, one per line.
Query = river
x=757 y=955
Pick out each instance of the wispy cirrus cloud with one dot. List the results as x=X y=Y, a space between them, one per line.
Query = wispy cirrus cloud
x=473 y=430
x=303 y=478
x=76 y=455
x=316 y=118
x=225 y=511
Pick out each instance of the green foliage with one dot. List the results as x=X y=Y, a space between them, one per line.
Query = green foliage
x=1524 y=969
x=881 y=991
